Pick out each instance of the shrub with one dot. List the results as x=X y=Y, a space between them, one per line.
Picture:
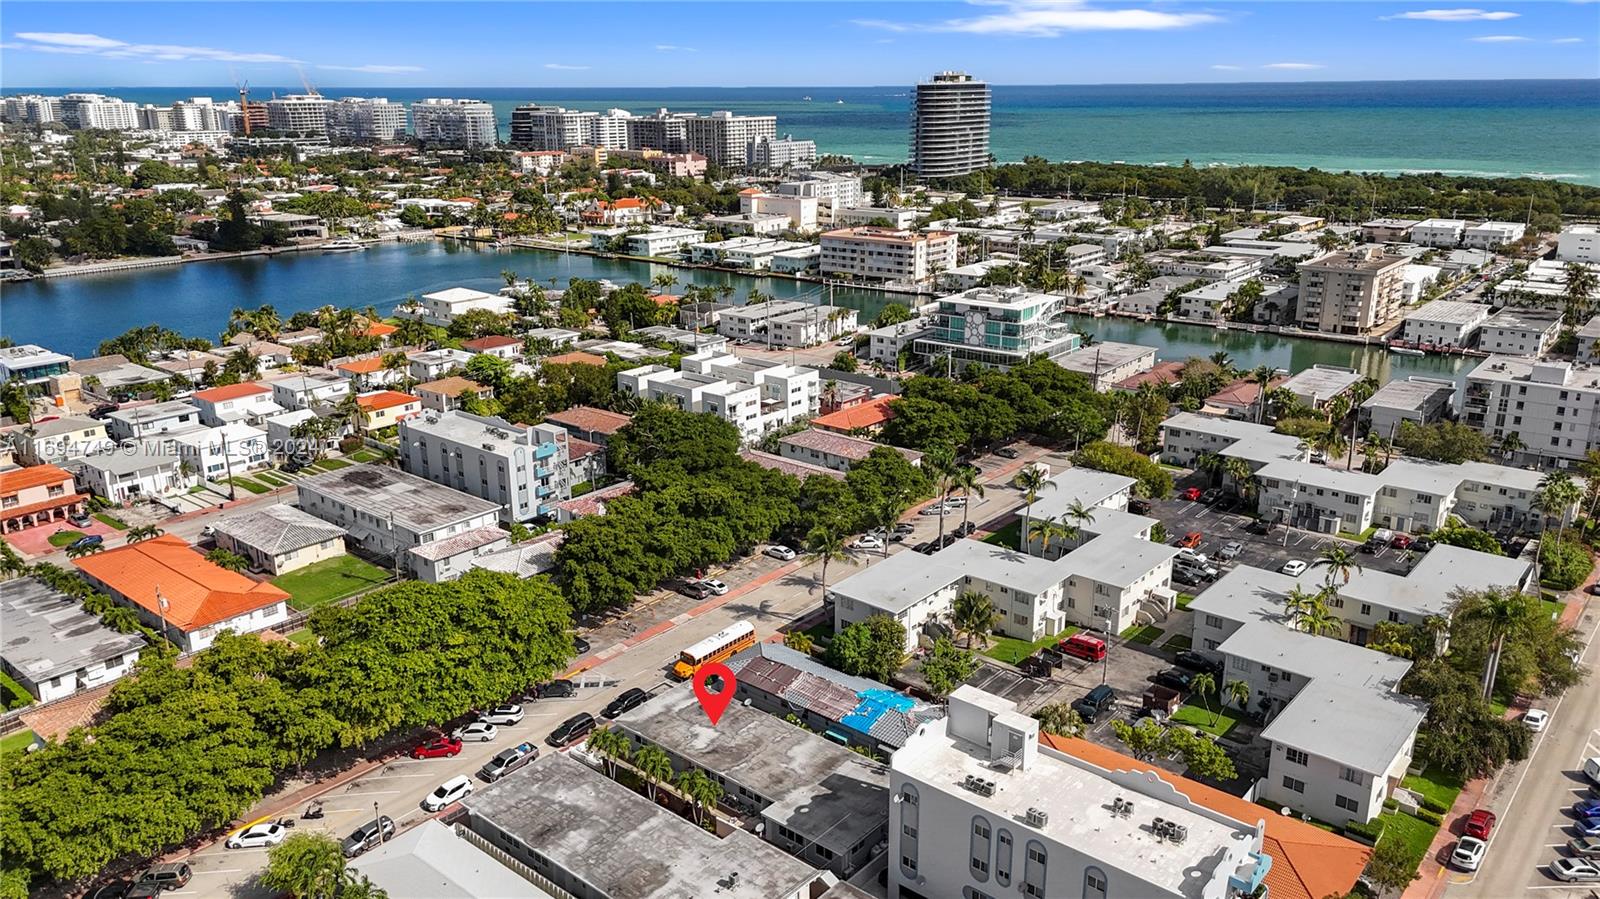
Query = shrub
x=349 y=445
x=1390 y=805
x=1430 y=817
x=1434 y=805
x=1564 y=562
x=1369 y=832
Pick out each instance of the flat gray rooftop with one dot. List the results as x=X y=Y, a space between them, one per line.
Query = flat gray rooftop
x=622 y=844
x=1321 y=382
x=1410 y=395
x=1104 y=356
x=1449 y=312
x=48 y=634
x=381 y=491
x=155 y=412
x=1521 y=320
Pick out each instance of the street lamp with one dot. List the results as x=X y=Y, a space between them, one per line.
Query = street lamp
x=1105 y=661
x=378 y=820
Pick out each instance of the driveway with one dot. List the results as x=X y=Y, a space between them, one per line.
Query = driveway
x=35 y=541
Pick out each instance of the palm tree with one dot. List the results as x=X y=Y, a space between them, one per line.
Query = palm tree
x=799 y=641
x=1062 y=720
x=974 y=615
x=1205 y=685
x=889 y=514
x=1262 y=376
x=225 y=559
x=1047 y=529
x=1509 y=445
x=965 y=481
x=1339 y=562
x=654 y=766
x=1317 y=620
x=1212 y=464
x=664 y=282
x=825 y=545
x=143 y=532
x=1030 y=481
x=1223 y=362
x=1239 y=692
x=610 y=745
x=1296 y=602
x=1558 y=494
x=76 y=551
x=701 y=791
x=940 y=465
x=1502 y=612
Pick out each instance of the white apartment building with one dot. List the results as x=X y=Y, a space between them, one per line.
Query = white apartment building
x=143 y=422
x=801 y=211
x=54 y=647
x=815 y=446
x=138 y=470
x=979 y=808
x=995 y=327
x=522 y=468
x=755 y=253
x=1415 y=399
x=216 y=454
x=308 y=389
x=443 y=306
x=1577 y=243
x=832 y=191
x=387 y=510
x=1519 y=332
x=1350 y=292
x=1551 y=407
x=1445 y=323
x=298 y=114
x=65 y=439
x=1187 y=436
x=155 y=118
x=1318 y=384
x=99 y=111
x=887 y=255
x=662 y=242
x=888 y=342
x=1207 y=303
x=725 y=138
x=1492 y=235
x=780 y=152
x=1108 y=362
x=749 y=322
x=949 y=126
x=875 y=216
x=362 y=120
x=202 y=114
x=753 y=396
x=538 y=127
x=1191 y=264
x=248 y=402
x=449 y=122
x=32 y=109
x=1387 y=230
x=1440 y=233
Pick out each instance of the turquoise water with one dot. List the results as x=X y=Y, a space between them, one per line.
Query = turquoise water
x=73 y=315
x=1542 y=128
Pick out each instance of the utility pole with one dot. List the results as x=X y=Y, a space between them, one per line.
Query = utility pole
x=1105 y=661
x=161 y=609
x=227 y=460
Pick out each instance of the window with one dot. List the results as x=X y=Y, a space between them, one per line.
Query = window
x=1033 y=873
x=1213 y=621
x=1351 y=775
x=908 y=830
x=1348 y=804
x=1290 y=783
x=1366 y=608
x=1211 y=644
x=1094 y=883
x=1241 y=664
x=1394 y=616
x=1002 y=858
x=979 y=863
x=1298 y=756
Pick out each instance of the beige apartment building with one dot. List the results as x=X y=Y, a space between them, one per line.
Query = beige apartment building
x=1350 y=292
x=885 y=254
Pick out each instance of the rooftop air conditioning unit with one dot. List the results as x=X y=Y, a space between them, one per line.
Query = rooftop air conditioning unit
x=1036 y=817
x=1176 y=832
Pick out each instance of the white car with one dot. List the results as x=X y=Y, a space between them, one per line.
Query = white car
x=1536 y=719
x=257 y=836
x=1294 y=568
x=956 y=502
x=1575 y=870
x=781 y=553
x=716 y=586
x=502 y=715
x=935 y=510
x=477 y=731
x=867 y=541
x=453 y=790
x=1468 y=854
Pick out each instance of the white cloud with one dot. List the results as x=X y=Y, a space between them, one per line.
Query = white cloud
x=98 y=45
x=1226 y=68
x=1567 y=40
x=1500 y=39
x=374 y=69
x=1049 y=18
x=1294 y=66
x=1454 y=15
x=565 y=68
x=671 y=48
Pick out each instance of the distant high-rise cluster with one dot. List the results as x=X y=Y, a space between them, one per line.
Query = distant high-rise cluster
x=722 y=137
x=454 y=123
x=361 y=120
x=950 y=126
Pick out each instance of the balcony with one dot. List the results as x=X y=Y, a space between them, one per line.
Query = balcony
x=541 y=472
x=1250 y=877
x=545 y=450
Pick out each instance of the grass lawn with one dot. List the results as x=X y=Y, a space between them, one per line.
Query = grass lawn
x=1434 y=784
x=16 y=742
x=1184 y=599
x=1498 y=707
x=1008 y=536
x=582 y=487
x=12 y=694
x=275 y=480
x=363 y=455
x=1195 y=714
x=64 y=538
x=322 y=583
x=110 y=520
x=1180 y=641
x=330 y=464
x=1415 y=834
x=247 y=484
x=1553 y=608
x=301 y=637
x=819 y=632
x=1145 y=635
x=1011 y=650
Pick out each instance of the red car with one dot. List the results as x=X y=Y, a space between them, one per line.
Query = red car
x=1479 y=824
x=1191 y=540
x=438 y=748
x=1401 y=541
x=1192 y=494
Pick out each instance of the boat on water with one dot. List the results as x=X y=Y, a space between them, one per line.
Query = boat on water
x=840 y=102
x=343 y=245
x=1406 y=351
x=807 y=98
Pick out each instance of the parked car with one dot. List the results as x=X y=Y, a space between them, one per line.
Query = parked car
x=629 y=699
x=477 y=732
x=507 y=761
x=575 y=728
x=86 y=541
x=1139 y=506
x=169 y=876
x=580 y=646
x=964 y=529
x=1176 y=678
x=437 y=748
x=1468 y=854
x=934 y=510
x=1194 y=661
x=1421 y=545
x=1211 y=496
x=956 y=502
x=102 y=410
x=1230 y=551
x=1575 y=870
x=1401 y=541
x=1094 y=702
x=257 y=836
x=1584 y=847
x=905 y=527
x=556 y=689
x=926 y=549
x=1084 y=646
x=1479 y=824
x=368 y=835
x=1294 y=568
x=694 y=590
x=453 y=790
x=1588 y=827
x=1586 y=808
x=1259 y=526
x=781 y=553
x=503 y=715
x=867 y=541
x=81 y=519
x=293 y=465
x=1191 y=540
x=1192 y=494
x=1536 y=719
x=717 y=587
x=1007 y=452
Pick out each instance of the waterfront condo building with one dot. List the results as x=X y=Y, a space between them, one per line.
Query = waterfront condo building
x=1350 y=292
x=883 y=254
x=725 y=138
x=1553 y=407
x=298 y=114
x=365 y=120
x=996 y=327
x=1577 y=243
x=950 y=126
x=454 y=123
x=31 y=364
x=523 y=468
x=99 y=111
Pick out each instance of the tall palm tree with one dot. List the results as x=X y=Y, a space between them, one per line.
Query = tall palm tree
x=1262 y=376
x=1062 y=720
x=1212 y=464
x=940 y=465
x=1030 y=481
x=1318 y=620
x=1558 y=494
x=143 y=532
x=1509 y=445
x=1223 y=362
x=1239 y=692
x=77 y=552
x=1204 y=686
x=889 y=512
x=654 y=766
x=702 y=792
x=974 y=615
x=826 y=546
x=1340 y=562
x=610 y=745
x=965 y=480
x=1296 y=602
x=1046 y=530
x=1079 y=513
x=1502 y=612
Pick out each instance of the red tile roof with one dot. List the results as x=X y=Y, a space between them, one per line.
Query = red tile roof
x=493 y=341
x=33 y=476
x=231 y=392
x=197 y=592
x=579 y=449
x=453 y=386
x=362 y=366
x=1163 y=373
x=594 y=503
x=60 y=502
x=575 y=358
x=379 y=329
x=870 y=414
x=590 y=420
x=385 y=399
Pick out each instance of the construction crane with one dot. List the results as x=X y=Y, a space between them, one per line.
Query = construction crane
x=244 y=103
x=306 y=82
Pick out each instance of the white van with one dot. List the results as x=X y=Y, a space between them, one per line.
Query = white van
x=1591 y=769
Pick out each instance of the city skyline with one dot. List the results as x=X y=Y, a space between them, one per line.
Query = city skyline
x=658 y=44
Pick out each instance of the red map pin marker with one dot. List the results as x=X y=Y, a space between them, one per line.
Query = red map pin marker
x=714 y=704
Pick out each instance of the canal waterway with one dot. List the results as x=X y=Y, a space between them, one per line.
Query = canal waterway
x=72 y=315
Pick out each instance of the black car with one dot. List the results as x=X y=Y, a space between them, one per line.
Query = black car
x=1034 y=666
x=112 y=891
x=1211 y=496
x=571 y=730
x=1094 y=702
x=964 y=528
x=1258 y=527
x=925 y=548
x=1197 y=662
x=1176 y=678
x=1006 y=452
x=580 y=646
x=368 y=835
x=293 y=465
x=1228 y=503
x=630 y=699
x=1421 y=545
x=102 y=410
x=556 y=689
x=1139 y=506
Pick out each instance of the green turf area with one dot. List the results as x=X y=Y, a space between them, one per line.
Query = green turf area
x=16 y=742
x=1434 y=784
x=12 y=694
x=1011 y=650
x=1009 y=536
x=270 y=478
x=820 y=632
x=1196 y=714
x=65 y=537
x=1177 y=642
x=1142 y=634
x=1184 y=599
x=363 y=455
x=110 y=520
x=1553 y=607
x=330 y=464
x=327 y=581
x=301 y=637
x=247 y=484
x=1414 y=833
x=582 y=487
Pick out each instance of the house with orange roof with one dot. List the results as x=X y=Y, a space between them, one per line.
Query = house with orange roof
x=249 y=403
x=866 y=418
x=385 y=408
x=379 y=330
x=577 y=357
x=37 y=495
x=449 y=393
x=176 y=591
x=502 y=345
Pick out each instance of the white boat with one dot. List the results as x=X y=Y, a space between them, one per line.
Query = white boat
x=840 y=102
x=1406 y=351
x=807 y=97
x=342 y=245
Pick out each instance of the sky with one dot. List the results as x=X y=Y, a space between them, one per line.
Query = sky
x=752 y=43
